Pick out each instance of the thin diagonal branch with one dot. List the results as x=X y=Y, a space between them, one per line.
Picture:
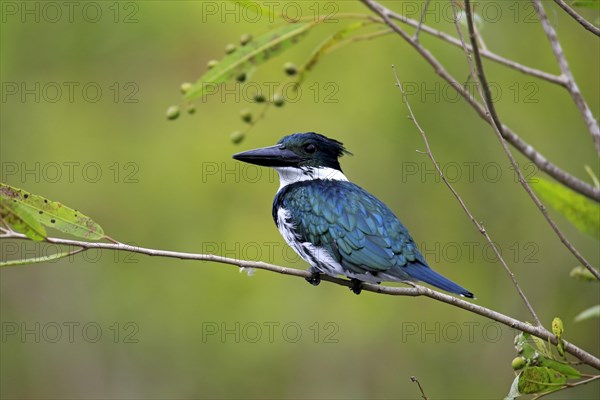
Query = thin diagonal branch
x=526 y=149
x=478 y=225
x=577 y=17
x=499 y=129
x=414 y=291
x=416 y=34
x=485 y=114
x=487 y=54
x=358 y=38
x=572 y=88
x=415 y=380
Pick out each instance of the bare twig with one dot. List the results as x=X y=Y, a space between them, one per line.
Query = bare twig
x=485 y=114
x=482 y=45
x=584 y=109
x=526 y=149
x=420 y=25
x=567 y=385
x=499 y=129
x=358 y=38
x=487 y=54
x=479 y=226
x=414 y=379
x=414 y=291
x=542 y=162
x=577 y=17
x=421 y=20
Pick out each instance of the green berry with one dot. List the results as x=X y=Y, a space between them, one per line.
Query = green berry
x=185 y=87
x=246 y=115
x=290 y=68
x=230 y=48
x=259 y=98
x=172 y=112
x=191 y=109
x=245 y=39
x=278 y=100
x=241 y=78
x=236 y=137
x=518 y=363
x=212 y=63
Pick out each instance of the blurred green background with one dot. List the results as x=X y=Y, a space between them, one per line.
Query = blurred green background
x=106 y=325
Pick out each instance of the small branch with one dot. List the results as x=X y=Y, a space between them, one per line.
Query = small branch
x=358 y=38
x=543 y=163
x=479 y=227
x=485 y=114
x=558 y=80
x=577 y=17
x=414 y=291
x=482 y=45
x=419 y=25
x=573 y=89
x=416 y=35
x=499 y=128
x=567 y=386
x=414 y=379
x=526 y=149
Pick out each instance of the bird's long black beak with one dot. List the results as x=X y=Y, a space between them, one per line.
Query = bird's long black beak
x=274 y=156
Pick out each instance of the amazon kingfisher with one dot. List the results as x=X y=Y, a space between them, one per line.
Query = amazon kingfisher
x=336 y=226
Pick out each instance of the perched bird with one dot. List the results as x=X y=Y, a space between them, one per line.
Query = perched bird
x=333 y=224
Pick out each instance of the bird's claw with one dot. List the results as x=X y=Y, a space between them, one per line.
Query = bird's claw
x=355 y=285
x=314 y=279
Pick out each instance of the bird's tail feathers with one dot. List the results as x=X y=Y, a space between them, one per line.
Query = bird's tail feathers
x=425 y=274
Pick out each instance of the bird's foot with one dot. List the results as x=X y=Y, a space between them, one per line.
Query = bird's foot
x=355 y=285
x=315 y=277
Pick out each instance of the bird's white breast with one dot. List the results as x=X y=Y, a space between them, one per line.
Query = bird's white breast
x=318 y=257
x=289 y=175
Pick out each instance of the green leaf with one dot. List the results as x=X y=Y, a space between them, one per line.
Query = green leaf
x=540 y=379
x=21 y=220
x=595 y=4
x=35 y=260
x=558 y=327
x=541 y=346
x=524 y=348
x=254 y=53
x=583 y=274
x=592 y=312
x=49 y=213
x=579 y=210
x=559 y=366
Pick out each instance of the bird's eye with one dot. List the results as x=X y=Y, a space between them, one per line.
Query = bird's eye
x=310 y=148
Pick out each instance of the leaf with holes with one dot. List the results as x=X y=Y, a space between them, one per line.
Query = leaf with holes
x=256 y=52
x=49 y=213
x=540 y=379
x=18 y=218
